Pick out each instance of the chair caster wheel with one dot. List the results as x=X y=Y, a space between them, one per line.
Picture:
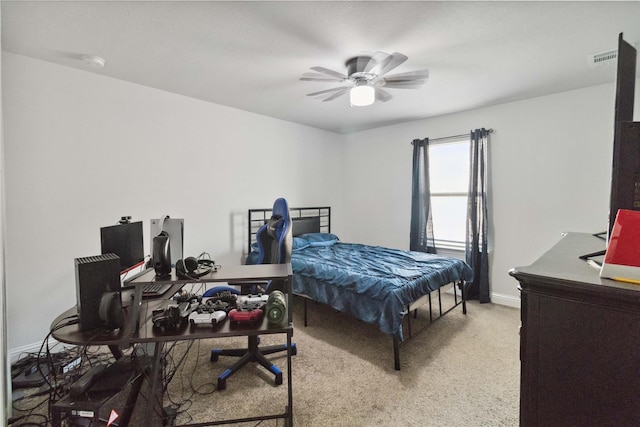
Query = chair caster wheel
x=214 y=357
x=222 y=384
x=279 y=378
x=294 y=350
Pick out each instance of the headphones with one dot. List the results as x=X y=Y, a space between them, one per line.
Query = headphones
x=189 y=268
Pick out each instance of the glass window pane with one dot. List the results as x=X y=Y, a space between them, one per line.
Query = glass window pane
x=449 y=167
x=449 y=216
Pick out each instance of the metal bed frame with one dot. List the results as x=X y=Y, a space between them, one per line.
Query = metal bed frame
x=318 y=219
x=259 y=217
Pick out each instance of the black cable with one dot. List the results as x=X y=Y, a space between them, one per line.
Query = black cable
x=148 y=377
x=193 y=372
x=158 y=404
x=29 y=410
x=176 y=366
x=180 y=407
x=187 y=401
x=31 y=423
x=14 y=420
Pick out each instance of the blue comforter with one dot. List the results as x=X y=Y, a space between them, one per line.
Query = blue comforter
x=372 y=283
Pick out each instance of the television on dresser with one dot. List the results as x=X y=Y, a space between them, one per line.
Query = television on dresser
x=625 y=176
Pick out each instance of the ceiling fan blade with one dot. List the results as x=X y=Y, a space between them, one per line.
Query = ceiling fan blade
x=412 y=84
x=382 y=95
x=409 y=76
x=395 y=60
x=322 y=92
x=311 y=79
x=377 y=61
x=336 y=95
x=329 y=72
x=317 y=77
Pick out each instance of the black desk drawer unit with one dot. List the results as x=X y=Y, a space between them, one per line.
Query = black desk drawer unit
x=579 y=341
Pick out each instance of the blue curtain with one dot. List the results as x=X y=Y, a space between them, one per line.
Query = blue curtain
x=476 y=241
x=421 y=234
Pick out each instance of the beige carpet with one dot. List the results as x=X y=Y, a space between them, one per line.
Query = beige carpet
x=463 y=370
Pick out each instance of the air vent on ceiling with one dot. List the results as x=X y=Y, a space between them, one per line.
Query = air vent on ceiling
x=603 y=58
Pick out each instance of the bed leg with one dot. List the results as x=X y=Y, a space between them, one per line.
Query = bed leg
x=430 y=309
x=396 y=354
x=305 y=311
x=440 y=302
x=464 y=300
x=455 y=292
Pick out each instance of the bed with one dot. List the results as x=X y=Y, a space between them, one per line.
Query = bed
x=374 y=284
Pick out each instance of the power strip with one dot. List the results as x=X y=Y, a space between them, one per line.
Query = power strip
x=71 y=365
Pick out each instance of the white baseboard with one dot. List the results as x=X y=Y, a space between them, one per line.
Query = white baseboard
x=500 y=299
x=54 y=346
x=507 y=300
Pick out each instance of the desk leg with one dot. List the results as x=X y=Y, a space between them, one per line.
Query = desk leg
x=131 y=400
x=56 y=419
x=157 y=391
x=289 y=380
x=116 y=352
x=157 y=368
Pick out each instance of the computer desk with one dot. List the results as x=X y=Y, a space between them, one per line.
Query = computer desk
x=138 y=326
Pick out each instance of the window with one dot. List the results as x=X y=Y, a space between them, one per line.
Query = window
x=449 y=182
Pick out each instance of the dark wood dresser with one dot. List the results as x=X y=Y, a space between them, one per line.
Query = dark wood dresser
x=579 y=341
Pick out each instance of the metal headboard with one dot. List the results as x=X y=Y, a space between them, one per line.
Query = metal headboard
x=313 y=219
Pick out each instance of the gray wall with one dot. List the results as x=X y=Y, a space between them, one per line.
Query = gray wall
x=83 y=150
x=550 y=171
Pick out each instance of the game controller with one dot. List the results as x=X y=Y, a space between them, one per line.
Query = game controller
x=184 y=296
x=172 y=316
x=250 y=302
x=206 y=315
x=243 y=316
x=206 y=318
x=219 y=305
x=223 y=293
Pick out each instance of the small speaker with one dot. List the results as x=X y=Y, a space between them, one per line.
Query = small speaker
x=276 y=307
x=95 y=276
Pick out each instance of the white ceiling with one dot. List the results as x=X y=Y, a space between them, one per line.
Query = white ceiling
x=250 y=55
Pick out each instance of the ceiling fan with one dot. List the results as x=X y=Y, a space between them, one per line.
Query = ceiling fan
x=366 y=77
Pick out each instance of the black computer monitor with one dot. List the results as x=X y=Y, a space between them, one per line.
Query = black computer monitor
x=126 y=241
x=625 y=177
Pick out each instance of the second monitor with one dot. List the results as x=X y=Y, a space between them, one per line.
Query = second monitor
x=125 y=240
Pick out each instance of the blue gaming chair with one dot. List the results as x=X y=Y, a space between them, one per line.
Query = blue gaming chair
x=275 y=241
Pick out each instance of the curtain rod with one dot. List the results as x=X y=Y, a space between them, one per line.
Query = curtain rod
x=445 y=138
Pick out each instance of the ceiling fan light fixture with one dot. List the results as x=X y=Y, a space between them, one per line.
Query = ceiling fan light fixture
x=362 y=95
x=365 y=79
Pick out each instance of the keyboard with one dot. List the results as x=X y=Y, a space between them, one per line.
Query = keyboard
x=150 y=289
x=155 y=289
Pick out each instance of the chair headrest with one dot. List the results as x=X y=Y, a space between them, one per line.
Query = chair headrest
x=275 y=226
x=281 y=208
